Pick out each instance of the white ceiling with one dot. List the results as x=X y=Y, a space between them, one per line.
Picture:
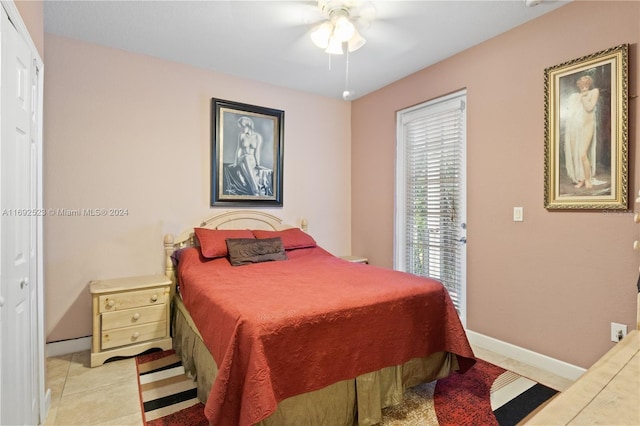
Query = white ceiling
x=268 y=41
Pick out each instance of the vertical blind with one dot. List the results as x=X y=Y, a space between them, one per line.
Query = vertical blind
x=431 y=194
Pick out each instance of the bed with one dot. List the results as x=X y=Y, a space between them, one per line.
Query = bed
x=278 y=331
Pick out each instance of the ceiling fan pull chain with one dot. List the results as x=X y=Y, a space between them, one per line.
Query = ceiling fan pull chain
x=347 y=94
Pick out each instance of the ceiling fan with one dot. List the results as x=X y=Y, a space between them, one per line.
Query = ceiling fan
x=337 y=30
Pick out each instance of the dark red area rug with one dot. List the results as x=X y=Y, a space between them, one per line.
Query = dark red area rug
x=485 y=395
x=456 y=394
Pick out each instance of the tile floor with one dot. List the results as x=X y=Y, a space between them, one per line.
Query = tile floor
x=108 y=395
x=81 y=395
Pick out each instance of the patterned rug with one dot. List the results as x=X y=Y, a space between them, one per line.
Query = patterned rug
x=485 y=395
x=167 y=395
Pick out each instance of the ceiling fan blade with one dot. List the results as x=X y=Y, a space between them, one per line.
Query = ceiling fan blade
x=364 y=14
x=278 y=14
x=386 y=35
x=303 y=51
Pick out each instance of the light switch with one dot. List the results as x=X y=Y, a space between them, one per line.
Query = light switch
x=518 y=214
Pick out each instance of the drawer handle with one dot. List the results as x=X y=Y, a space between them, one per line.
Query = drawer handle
x=136 y=316
x=135 y=335
x=154 y=298
x=111 y=303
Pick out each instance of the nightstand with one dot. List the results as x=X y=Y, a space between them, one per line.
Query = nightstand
x=355 y=259
x=130 y=316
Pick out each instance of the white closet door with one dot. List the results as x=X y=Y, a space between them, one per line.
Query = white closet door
x=18 y=187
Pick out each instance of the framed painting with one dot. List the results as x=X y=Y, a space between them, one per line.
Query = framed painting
x=586 y=146
x=247 y=154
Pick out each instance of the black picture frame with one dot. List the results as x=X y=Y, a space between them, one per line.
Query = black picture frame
x=247 y=154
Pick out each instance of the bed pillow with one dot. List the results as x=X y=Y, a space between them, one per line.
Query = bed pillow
x=175 y=257
x=213 y=241
x=292 y=238
x=243 y=251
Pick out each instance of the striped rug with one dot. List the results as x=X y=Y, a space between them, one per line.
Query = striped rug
x=513 y=397
x=167 y=395
x=485 y=395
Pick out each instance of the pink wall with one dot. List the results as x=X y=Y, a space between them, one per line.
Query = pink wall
x=32 y=13
x=129 y=131
x=555 y=282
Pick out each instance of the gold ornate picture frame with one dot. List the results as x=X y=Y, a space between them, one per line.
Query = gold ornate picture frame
x=586 y=132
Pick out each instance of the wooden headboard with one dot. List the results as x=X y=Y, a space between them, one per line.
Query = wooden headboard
x=236 y=219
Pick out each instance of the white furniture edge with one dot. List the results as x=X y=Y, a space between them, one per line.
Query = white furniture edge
x=544 y=362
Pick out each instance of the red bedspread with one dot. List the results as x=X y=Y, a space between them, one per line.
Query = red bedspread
x=278 y=329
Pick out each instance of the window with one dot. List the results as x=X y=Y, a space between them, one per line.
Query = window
x=430 y=217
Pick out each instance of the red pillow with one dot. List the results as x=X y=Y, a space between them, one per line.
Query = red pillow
x=213 y=242
x=292 y=238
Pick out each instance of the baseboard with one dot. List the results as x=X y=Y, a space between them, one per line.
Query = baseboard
x=64 y=347
x=552 y=365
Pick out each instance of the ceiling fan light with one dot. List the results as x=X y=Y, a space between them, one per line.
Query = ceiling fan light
x=356 y=42
x=321 y=33
x=343 y=28
x=335 y=46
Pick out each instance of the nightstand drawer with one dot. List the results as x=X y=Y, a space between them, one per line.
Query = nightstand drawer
x=129 y=335
x=133 y=299
x=131 y=317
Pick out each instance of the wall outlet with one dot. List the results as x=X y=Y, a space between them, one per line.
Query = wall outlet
x=618 y=331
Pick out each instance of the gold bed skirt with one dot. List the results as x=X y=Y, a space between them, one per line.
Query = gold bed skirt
x=348 y=402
